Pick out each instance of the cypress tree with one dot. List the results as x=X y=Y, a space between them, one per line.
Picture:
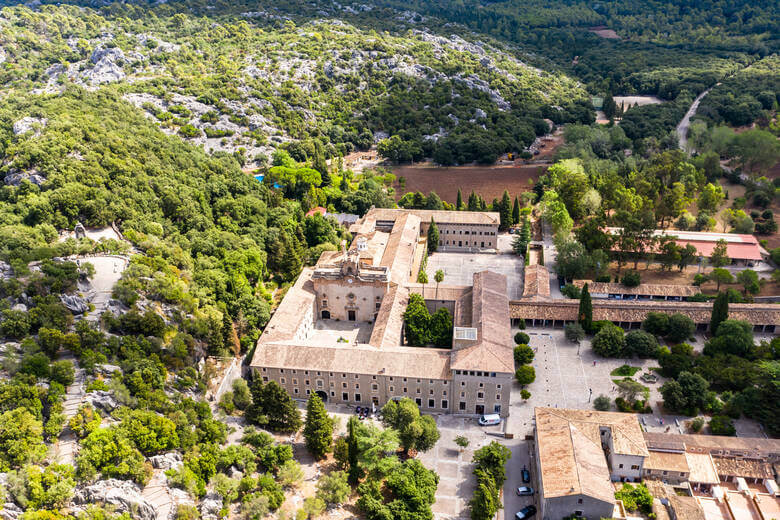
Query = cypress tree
x=279 y=407
x=720 y=311
x=585 y=314
x=473 y=202
x=355 y=473
x=459 y=201
x=505 y=211
x=433 y=237
x=516 y=212
x=318 y=429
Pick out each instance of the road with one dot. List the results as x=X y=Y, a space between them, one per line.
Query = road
x=682 y=128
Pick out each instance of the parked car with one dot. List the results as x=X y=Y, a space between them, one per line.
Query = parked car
x=489 y=420
x=526 y=512
x=526 y=475
x=524 y=491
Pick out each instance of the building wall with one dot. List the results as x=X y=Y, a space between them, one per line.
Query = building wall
x=465 y=236
x=556 y=508
x=672 y=477
x=486 y=391
x=432 y=395
x=365 y=301
x=625 y=467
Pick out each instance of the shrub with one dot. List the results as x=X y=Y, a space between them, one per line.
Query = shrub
x=656 y=323
x=681 y=328
x=521 y=338
x=641 y=344
x=699 y=279
x=697 y=424
x=722 y=425
x=525 y=394
x=631 y=279
x=602 y=403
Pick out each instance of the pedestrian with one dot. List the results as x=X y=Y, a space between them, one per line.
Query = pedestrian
x=594 y=363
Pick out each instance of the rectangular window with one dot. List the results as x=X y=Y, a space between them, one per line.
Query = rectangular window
x=463 y=394
x=461 y=406
x=498 y=397
x=620 y=466
x=665 y=472
x=431 y=403
x=579 y=501
x=444 y=393
x=374 y=387
x=295 y=390
x=405 y=390
x=373 y=377
x=295 y=381
x=480 y=395
x=264 y=369
x=343 y=385
x=634 y=466
x=265 y=379
x=308 y=392
x=333 y=394
x=357 y=386
x=498 y=387
x=419 y=402
x=282 y=380
x=307 y=382
x=430 y=392
x=357 y=398
x=445 y=404
x=419 y=391
x=344 y=396
x=497 y=408
x=306 y=372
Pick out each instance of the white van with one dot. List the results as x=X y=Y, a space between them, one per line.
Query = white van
x=489 y=420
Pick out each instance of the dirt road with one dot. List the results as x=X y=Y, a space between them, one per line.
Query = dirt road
x=682 y=128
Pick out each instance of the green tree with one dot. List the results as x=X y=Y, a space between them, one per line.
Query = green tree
x=439 y=278
x=574 y=332
x=21 y=439
x=711 y=197
x=333 y=488
x=749 y=281
x=681 y=327
x=459 y=201
x=273 y=407
x=485 y=502
x=492 y=458
x=462 y=442
x=433 y=237
x=720 y=311
x=585 y=311
x=417 y=321
x=720 y=275
x=318 y=428
x=415 y=431
x=609 y=341
x=722 y=425
x=641 y=344
x=719 y=256
x=355 y=473
x=523 y=355
x=516 y=212
x=525 y=375
x=686 y=394
x=505 y=211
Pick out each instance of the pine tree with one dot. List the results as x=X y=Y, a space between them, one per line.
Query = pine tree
x=720 y=311
x=516 y=212
x=585 y=314
x=433 y=237
x=459 y=201
x=273 y=406
x=609 y=107
x=505 y=211
x=290 y=263
x=318 y=429
x=319 y=163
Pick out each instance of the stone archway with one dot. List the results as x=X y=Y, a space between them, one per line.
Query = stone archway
x=322 y=395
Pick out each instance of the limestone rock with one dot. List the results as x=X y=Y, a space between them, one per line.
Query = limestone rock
x=10 y=511
x=125 y=496
x=107 y=66
x=27 y=124
x=75 y=304
x=102 y=399
x=170 y=460
x=210 y=506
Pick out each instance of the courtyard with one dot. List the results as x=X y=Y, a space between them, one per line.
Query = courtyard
x=459 y=268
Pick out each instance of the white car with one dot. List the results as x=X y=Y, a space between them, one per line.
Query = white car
x=524 y=491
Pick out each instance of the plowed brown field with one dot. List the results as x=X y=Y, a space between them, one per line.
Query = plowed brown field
x=487 y=181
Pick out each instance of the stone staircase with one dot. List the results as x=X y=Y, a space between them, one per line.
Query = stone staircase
x=159 y=496
x=66 y=447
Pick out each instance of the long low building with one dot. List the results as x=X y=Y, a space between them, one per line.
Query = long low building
x=629 y=315
x=642 y=292
x=741 y=249
x=472 y=231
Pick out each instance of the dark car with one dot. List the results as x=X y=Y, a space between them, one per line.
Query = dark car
x=526 y=512
x=526 y=475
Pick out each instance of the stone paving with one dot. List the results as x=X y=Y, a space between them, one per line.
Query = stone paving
x=66 y=447
x=158 y=495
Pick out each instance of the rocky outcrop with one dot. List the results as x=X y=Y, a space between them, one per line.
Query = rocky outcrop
x=75 y=304
x=107 y=66
x=6 y=272
x=10 y=511
x=15 y=177
x=123 y=495
x=210 y=506
x=102 y=400
x=170 y=460
x=27 y=124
